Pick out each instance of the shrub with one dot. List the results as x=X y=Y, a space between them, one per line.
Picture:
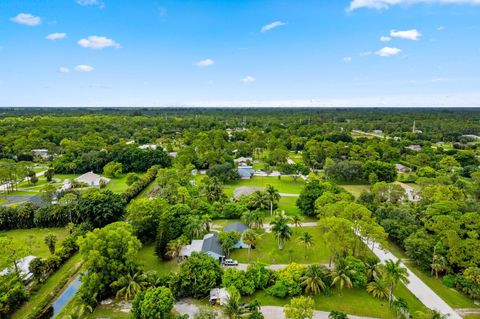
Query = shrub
x=449 y=281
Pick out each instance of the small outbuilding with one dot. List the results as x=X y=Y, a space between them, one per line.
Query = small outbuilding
x=245 y=172
x=219 y=296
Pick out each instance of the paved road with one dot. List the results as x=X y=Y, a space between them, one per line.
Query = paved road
x=426 y=295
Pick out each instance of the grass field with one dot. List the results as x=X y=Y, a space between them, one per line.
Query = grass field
x=151 y=262
x=356 y=190
x=267 y=250
x=352 y=301
x=33 y=239
x=118 y=184
x=285 y=184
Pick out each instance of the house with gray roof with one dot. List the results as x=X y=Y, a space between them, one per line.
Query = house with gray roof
x=240 y=228
x=92 y=179
x=245 y=172
x=209 y=245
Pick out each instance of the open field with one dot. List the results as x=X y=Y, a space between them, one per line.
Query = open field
x=356 y=190
x=33 y=238
x=267 y=250
x=285 y=184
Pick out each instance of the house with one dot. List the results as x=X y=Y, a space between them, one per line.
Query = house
x=245 y=172
x=219 y=296
x=471 y=136
x=402 y=169
x=23 y=265
x=243 y=161
x=41 y=152
x=173 y=154
x=209 y=245
x=240 y=228
x=92 y=179
x=415 y=148
x=148 y=146
x=377 y=131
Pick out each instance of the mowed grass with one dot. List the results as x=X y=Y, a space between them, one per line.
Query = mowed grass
x=146 y=256
x=351 y=301
x=33 y=239
x=267 y=250
x=356 y=190
x=118 y=184
x=285 y=184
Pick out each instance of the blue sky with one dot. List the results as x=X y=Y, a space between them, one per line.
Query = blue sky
x=240 y=53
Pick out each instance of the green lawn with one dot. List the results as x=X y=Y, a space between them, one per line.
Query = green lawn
x=51 y=288
x=285 y=184
x=356 y=190
x=33 y=238
x=296 y=157
x=351 y=301
x=451 y=296
x=267 y=250
x=118 y=184
x=151 y=262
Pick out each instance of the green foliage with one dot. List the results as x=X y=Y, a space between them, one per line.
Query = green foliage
x=299 y=308
x=109 y=253
x=197 y=276
x=228 y=240
x=155 y=303
x=132 y=178
x=99 y=207
x=384 y=172
x=112 y=169
x=238 y=278
x=224 y=172
x=12 y=294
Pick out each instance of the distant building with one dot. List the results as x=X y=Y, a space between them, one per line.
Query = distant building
x=402 y=169
x=245 y=172
x=41 y=152
x=240 y=228
x=377 y=131
x=471 y=136
x=415 y=148
x=209 y=245
x=173 y=154
x=243 y=161
x=91 y=179
x=148 y=146
x=23 y=266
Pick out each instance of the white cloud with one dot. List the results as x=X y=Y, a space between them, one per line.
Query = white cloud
x=63 y=69
x=248 y=79
x=385 y=4
x=86 y=3
x=385 y=38
x=84 y=68
x=204 y=63
x=347 y=59
x=98 y=42
x=27 y=19
x=56 y=36
x=272 y=25
x=406 y=34
x=388 y=51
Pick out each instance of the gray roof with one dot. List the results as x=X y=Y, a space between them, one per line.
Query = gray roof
x=237 y=226
x=211 y=243
x=245 y=171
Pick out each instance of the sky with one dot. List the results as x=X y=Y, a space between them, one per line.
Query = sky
x=240 y=53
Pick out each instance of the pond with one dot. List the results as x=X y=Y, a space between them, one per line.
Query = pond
x=66 y=295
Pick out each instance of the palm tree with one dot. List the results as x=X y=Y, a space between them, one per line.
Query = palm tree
x=297 y=221
x=175 y=246
x=259 y=200
x=130 y=285
x=374 y=270
x=232 y=308
x=400 y=307
x=281 y=229
x=195 y=227
x=314 y=280
x=253 y=219
x=395 y=273
x=341 y=275
x=378 y=289
x=250 y=237
x=307 y=240
x=337 y=315
x=272 y=195
x=439 y=264
x=50 y=241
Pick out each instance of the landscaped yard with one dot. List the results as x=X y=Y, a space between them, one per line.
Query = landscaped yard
x=285 y=184
x=352 y=301
x=33 y=239
x=118 y=184
x=356 y=190
x=151 y=262
x=267 y=250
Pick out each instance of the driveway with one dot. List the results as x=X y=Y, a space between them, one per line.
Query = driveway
x=417 y=287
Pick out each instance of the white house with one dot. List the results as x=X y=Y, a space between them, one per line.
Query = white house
x=92 y=179
x=23 y=268
x=243 y=161
x=41 y=152
x=148 y=146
